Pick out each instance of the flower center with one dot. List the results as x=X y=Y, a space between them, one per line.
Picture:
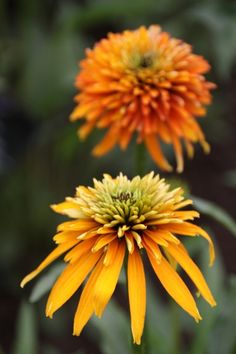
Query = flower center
x=124 y=197
x=146 y=61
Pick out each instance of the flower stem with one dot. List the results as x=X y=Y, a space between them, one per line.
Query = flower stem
x=139 y=349
x=175 y=327
x=140 y=159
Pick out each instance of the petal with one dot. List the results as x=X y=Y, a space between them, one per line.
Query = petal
x=69 y=281
x=154 y=149
x=107 y=280
x=137 y=294
x=110 y=253
x=85 y=307
x=178 y=153
x=193 y=271
x=57 y=252
x=188 y=229
x=79 y=250
x=107 y=143
x=70 y=209
x=102 y=241
x=77 y=225
x=175 y=286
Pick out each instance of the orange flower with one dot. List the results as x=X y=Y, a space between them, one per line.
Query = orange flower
x=143 y=81
x=117 y=217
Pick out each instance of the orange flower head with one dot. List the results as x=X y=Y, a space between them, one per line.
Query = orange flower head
x=147 y=82
x=117 y=217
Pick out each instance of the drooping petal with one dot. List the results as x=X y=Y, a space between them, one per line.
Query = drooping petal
x=193 y=271
x=137 y=294
x=107 y=281
x=57 y=252
x=81 y=225
x=156 y=153
x=85 y=307
x=106 y=144
x=188 y=229
x=68 y=208
x=175 y=286
x=69 y=281
x=80 y=249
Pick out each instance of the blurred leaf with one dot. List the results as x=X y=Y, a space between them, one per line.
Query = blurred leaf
x=26 y=337
x=114 y=329
x=216 y=212
x=48 y=349
x=215 y=279
x=157 y=321
x=44 y=284
x=230 y=178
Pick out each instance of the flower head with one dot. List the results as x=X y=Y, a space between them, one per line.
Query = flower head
x=118 y=217
x=147 y=82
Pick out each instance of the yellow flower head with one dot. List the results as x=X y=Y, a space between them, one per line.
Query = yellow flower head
x=147 y=82
x=118 y=217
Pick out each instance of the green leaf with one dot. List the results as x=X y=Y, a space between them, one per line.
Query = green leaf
x=26 y=331
x=45 y=283
x=213 y=210
x=230 y=178
x=114 y=329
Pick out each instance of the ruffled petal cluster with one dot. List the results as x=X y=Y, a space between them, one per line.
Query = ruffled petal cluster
x=144 y=82
x=118 y=217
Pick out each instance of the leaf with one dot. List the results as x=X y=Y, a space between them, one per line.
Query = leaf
x=230 y=178
x=26 y=331
x=114 y=329
x=213 y=210
x=45 y=283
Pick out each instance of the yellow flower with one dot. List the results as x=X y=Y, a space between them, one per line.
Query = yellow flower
x=147 y=82
x=118 y=217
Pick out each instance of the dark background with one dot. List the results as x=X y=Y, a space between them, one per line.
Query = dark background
x=41 y=159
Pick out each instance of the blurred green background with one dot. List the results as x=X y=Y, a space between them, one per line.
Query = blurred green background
x=42 y=161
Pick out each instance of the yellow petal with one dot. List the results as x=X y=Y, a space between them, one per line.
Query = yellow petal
x=110 y=253
x=85 y=307
x=80 y=249
x=67 y=208
x=107 y=281
x=78 y=225
x=175 y=286
x=69 y=281
x=188 y=229
x=137 y=294
x=103 y=241
x=65 y=236
x=152 y=248
x=193 y=271
x=57 y=252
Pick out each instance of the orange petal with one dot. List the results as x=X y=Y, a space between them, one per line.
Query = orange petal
x=193 y=271
x=188 y=229
x=107 y=143
x=137 y=294
x=175 y=286
x=69 y=281
x=80 y=249
x=154 y=149
x=67 y=208
x=57 y=252
x=107 y=281
x=85 y=307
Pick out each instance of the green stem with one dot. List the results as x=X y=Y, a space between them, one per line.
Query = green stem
x=139 y=349
x=140 y=159
x=175 y=327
